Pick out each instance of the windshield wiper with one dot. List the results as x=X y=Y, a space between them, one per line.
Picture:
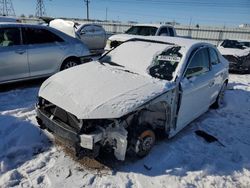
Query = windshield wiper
x=125 y=70
x=111 y=63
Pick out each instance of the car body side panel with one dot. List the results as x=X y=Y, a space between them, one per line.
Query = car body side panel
x=13 y=62
x=195 y=99
x=45 y=58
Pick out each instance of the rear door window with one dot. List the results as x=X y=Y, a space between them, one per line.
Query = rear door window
x=213 y=57
x=40 y=36
x=10 y=37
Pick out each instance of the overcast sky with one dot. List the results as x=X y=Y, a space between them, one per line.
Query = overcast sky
x=203 y=12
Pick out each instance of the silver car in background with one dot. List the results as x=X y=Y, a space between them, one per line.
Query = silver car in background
x=33 y=51
x=93 y=35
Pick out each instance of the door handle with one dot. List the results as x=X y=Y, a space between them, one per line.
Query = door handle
x=20 y=52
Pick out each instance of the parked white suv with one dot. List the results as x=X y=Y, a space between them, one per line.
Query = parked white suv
x=33 y=51
x=140 y=30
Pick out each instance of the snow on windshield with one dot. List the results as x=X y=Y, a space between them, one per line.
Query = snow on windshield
x=145 y=57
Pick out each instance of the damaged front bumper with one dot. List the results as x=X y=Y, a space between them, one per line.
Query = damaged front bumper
x=89 y=144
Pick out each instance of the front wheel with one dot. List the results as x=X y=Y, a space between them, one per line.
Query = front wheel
x=144 y=143
x=69 y=63
x=220 y=98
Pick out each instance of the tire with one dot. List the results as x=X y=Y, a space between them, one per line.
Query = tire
x=220 y=98
x=144 y=142
x=68 y=63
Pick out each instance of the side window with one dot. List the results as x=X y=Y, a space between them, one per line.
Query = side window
x=10 y=37
x=40 y=36
x=213 y=57
x=199 y=63
x=164 y=32
x=98 y=29
x=88 y=29
x=171 y=32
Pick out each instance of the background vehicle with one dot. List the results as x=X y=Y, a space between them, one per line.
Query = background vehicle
x=237 y=52
x=32 y=51
x=140 y=30
x=155 y=84
x=8 y=19
x=93 y=35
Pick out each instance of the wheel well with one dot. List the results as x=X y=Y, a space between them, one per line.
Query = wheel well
x=74 y=58
x=155 y=116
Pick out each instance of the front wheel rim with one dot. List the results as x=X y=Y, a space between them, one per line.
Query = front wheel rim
x=70 y=64
x=145 y=143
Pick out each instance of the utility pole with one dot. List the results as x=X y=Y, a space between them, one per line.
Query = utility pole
x=6 y=8
x=106 y=14
x=40 y=9
x=87 y=5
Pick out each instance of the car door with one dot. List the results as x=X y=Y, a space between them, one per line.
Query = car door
x=13 y=55
x=45 y=50
x=99 y=37
x=196 y=84
x=87 y=35
x=218 y=71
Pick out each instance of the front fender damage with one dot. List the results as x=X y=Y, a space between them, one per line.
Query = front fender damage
x=117 y=135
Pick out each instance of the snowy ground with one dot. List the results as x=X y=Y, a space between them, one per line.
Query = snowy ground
x=29 y=159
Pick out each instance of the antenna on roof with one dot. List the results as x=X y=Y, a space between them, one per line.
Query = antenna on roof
x=6 y=8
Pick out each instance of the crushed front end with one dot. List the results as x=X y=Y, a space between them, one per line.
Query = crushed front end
x=85 y=136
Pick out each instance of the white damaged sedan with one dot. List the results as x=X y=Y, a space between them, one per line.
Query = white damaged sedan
x=143 y=87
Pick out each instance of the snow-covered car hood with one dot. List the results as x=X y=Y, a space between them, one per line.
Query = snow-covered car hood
x=234 y=51
x=123 y=37
x=96 y=91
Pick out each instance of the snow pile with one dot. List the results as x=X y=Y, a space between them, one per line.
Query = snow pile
x=64 y=26
x=187 y=160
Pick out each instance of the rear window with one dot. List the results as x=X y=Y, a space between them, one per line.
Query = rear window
x=142 y=30
x=232 y=44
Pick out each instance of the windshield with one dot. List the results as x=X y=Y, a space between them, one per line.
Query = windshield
x=232 y=44
x=142 y=30
x=146 y=58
